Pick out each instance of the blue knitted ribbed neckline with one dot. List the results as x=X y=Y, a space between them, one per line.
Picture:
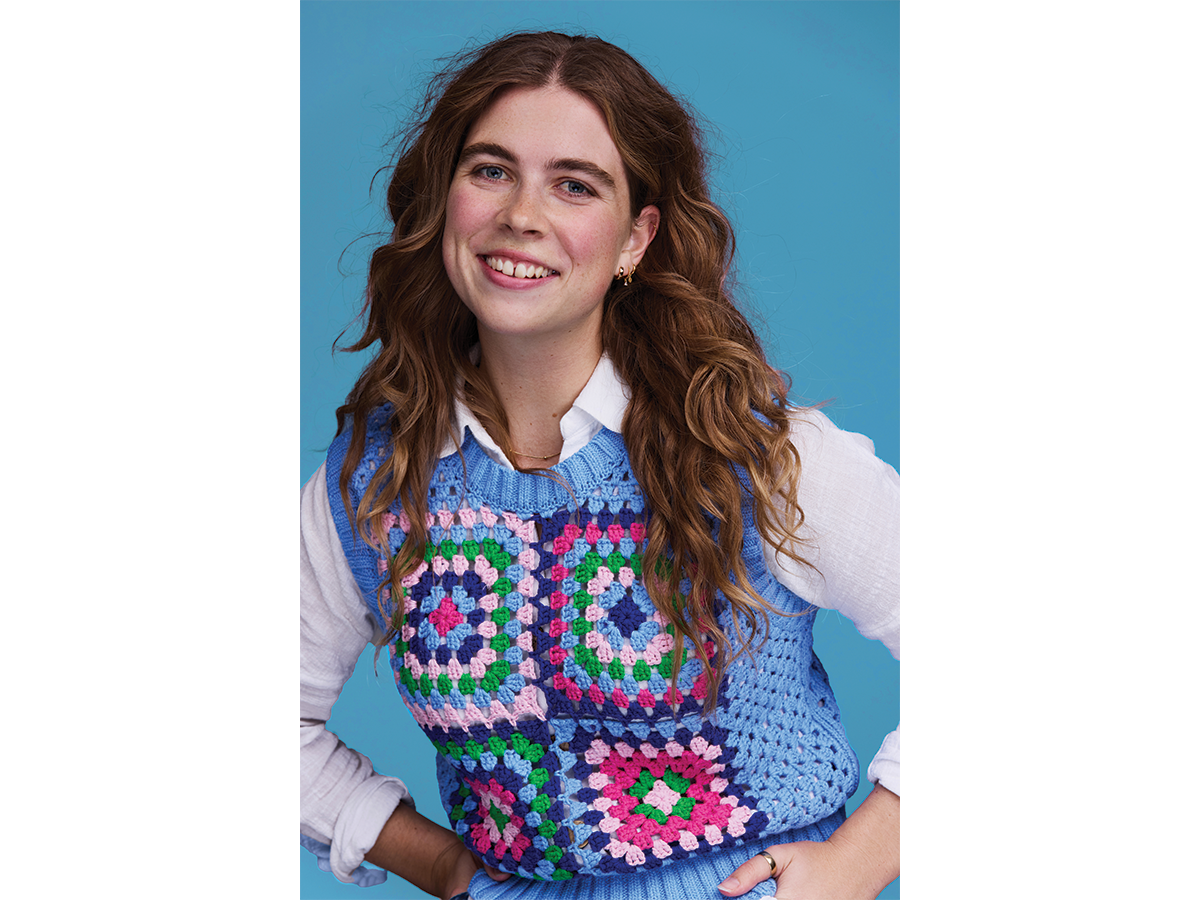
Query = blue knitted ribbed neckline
x=524 y=492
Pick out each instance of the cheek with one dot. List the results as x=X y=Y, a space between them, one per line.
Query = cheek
x=462 y=221
x=597 y=246
x=464 y=217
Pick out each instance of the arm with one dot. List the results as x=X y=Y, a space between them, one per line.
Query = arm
x=851 y=502
x=425 y=854
x=343 y=803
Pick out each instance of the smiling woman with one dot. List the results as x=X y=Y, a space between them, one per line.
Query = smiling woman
x=570 y=495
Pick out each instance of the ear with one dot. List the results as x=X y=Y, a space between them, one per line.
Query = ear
x=645 y=227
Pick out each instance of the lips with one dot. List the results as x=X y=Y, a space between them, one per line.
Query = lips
x=517 y=267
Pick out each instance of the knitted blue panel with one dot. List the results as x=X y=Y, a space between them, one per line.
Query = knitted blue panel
x=529 y=652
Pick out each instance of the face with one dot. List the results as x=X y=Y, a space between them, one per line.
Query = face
x=538 y=220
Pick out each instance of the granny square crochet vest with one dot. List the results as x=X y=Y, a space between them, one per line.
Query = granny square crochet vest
x=529 y=652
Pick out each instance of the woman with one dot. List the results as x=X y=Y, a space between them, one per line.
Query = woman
x=569 y=494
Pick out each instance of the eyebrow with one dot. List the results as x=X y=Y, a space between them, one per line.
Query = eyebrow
x=568 y=164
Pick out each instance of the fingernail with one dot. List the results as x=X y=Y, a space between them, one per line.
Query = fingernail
x=729 y=884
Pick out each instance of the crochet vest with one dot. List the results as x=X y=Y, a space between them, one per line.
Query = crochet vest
x=528 y=650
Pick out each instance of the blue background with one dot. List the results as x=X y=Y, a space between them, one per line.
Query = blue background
x=805 y=101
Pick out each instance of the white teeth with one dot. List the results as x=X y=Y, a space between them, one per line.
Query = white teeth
x=517 y=270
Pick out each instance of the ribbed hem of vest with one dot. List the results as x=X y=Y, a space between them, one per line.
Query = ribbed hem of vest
x=694 y=878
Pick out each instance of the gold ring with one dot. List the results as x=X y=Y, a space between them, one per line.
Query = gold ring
x=769 y=858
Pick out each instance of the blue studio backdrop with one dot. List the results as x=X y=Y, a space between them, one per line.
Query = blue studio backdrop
x=804 y=98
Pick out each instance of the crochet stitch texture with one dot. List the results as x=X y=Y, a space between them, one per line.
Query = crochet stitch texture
x=530 y=653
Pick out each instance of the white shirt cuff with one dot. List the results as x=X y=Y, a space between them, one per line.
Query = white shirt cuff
x=361 y=819
x=885 y=767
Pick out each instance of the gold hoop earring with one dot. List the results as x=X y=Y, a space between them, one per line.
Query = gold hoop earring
x=628 y=278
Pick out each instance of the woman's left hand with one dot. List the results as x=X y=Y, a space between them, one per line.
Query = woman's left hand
x=856 y=863
x=809 y=870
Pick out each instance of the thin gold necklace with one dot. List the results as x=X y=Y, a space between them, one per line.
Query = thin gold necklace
x=527 y=456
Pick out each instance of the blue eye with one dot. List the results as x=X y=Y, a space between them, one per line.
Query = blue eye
x=576 y=188
x=492 y=172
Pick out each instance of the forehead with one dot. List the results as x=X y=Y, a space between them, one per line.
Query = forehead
x=539 y=125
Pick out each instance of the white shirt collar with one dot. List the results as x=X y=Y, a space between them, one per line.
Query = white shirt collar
x=601 y=404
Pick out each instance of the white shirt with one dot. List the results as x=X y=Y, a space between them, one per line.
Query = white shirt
x=851 y=504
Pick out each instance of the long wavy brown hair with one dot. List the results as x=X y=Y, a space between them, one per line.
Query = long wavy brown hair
x=705 y=404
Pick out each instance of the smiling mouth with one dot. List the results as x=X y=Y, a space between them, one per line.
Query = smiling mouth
x=517 y=270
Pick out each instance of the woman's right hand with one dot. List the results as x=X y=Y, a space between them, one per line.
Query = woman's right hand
x=466 y=864
x=426 y=854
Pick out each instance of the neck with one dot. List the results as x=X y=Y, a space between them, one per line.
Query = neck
x=536 y=385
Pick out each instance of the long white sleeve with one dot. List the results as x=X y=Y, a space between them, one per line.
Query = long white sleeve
x=343 y=802
x=851 y=534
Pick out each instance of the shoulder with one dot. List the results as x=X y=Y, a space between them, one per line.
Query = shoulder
x=812 y=429
x=828 y=452
x=849 y=497
x=376 y=428
x=377 y=424
x=375 y=450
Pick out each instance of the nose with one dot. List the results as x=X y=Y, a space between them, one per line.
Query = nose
x=523 y=212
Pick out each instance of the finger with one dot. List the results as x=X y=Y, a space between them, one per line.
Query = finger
x=753 y=871
x=493 y=873
x=496 y=874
